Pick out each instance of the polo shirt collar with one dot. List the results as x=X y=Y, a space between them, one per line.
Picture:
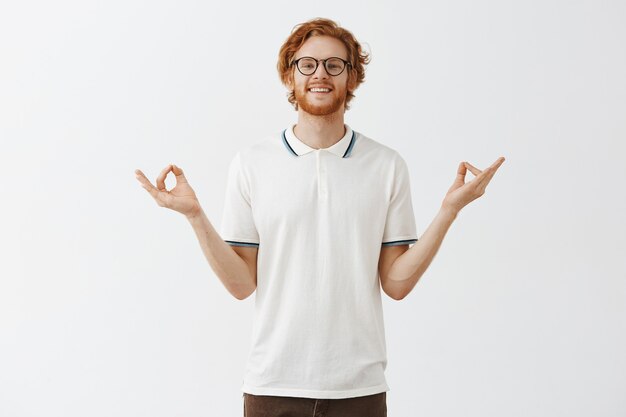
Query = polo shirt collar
x=296 y=147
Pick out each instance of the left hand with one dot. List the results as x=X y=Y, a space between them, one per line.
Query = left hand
x=461 y=194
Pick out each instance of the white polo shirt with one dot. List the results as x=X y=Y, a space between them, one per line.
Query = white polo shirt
x=319 y=218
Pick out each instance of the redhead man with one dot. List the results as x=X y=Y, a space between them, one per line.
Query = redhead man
x=317 y=219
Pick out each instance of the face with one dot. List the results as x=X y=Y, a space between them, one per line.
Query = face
x=321 y=104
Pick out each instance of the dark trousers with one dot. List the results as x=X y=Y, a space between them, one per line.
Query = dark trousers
x=274 y=406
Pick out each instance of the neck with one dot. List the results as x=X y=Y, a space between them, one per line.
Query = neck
x=320 y=132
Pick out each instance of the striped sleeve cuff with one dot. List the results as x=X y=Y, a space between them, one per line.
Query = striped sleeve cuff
x=399 y=242
x=239 y=243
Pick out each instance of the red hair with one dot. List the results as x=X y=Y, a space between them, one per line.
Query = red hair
x=319 y=27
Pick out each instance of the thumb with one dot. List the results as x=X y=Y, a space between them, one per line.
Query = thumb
x=461 y=171
x=459 y=180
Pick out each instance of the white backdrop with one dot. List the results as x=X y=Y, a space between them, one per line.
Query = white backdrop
x=107 y=304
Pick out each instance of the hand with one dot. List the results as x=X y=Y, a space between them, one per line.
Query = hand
x=181 y=198
x=460 y=194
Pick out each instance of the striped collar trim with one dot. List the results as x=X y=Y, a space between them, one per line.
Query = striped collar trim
x=296 y=147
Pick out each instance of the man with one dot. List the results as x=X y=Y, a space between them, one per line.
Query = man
x=317 y=219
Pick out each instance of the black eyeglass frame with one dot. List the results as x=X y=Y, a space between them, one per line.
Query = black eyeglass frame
x=317 y=63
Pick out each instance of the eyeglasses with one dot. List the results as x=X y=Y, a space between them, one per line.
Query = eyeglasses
x=307 y=65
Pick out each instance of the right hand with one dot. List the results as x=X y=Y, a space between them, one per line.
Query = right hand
x=181 y=198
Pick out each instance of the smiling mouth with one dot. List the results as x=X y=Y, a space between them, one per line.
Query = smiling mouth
x=319 y=91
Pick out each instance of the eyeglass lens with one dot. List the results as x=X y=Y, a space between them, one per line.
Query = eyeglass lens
x=307 y=66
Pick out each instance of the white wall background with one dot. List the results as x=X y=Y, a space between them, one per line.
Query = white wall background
x=107 y=305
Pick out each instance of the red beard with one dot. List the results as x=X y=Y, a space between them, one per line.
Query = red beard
x=320 y=106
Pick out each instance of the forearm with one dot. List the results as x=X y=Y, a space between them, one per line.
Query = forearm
x=229 y=267
x=409 y=267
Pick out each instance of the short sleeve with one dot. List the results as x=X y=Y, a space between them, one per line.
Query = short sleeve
x=400 y=222
x=238 y=228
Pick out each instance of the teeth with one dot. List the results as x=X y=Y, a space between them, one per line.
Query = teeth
x=324 y=90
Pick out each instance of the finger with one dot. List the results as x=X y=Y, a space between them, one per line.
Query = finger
x=142 y=179
x=146 y=184
x=160 y=182
x=493 y=167
x=489 y=173
x=473 y=169
x=180 y=175
x=498 y=162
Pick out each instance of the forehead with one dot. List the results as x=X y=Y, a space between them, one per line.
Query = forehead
x=321 y=47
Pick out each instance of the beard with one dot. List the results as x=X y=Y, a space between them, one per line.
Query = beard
x=320 y=107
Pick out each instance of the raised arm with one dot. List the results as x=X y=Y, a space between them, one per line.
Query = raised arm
x=400 y=267
x=234 y=266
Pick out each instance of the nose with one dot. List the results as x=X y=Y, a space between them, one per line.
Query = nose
x=320 y=72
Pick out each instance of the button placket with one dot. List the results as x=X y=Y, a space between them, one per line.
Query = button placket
x=322 y=185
